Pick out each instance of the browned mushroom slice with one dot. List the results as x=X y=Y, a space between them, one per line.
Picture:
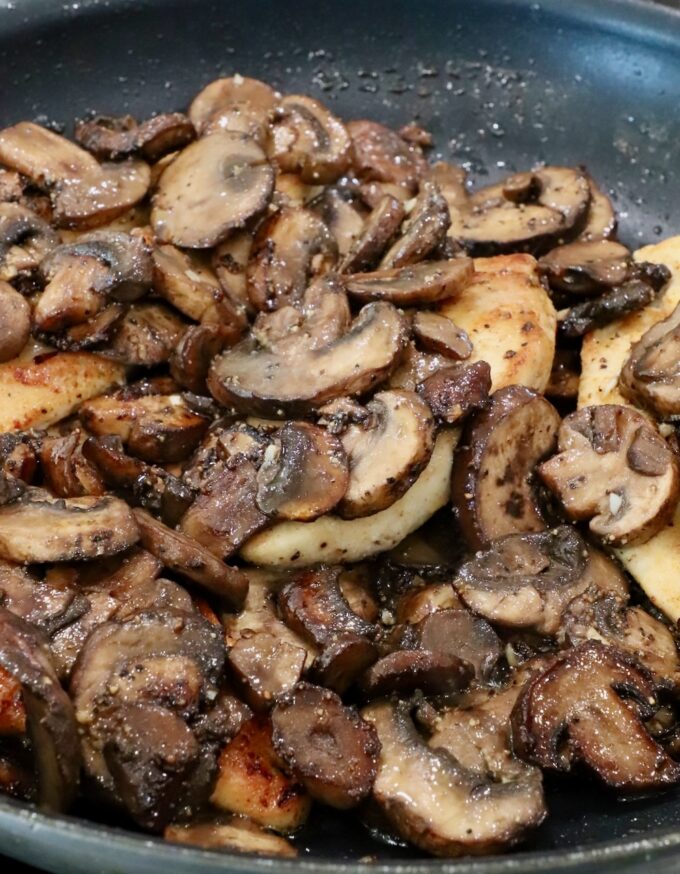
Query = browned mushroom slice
x=298 y=379
x=95 y=332
x=15 y=318
x=304 y=473
x=436 y=333
x=71 y=528
x=25 y=239
x=80 y=276
x=225 y=514
x=440 y=805
x=614 y=469
x=601 y=221
x=312 y=604
x=193 y=355
x=264 y=667
x=185 y=556
x=419 y=283
x=386 y=452
x=342 y=214
x=214 y=185
x=586 y=267
x=289 y=248
x=47 y=606
x=19 y=454
x=236 y=834
x=251 y=781
x=525 y=212
x=328 y=747
x=146 y=335
x=457 y=633
x=154 y=762
x=651 y=375
x=112 y=138
x=382 y=155
x=306 y=138
x=230 y=263
x=380 y=227
x=343 y=661
x=155 y=428
x=452 y=392
x=221 y=445
x=590 y=707
x=66 y=470
x=451 y=181
x=526 y=580
x=409 y=670
x=235 y=104
x=188 y=283
x=491 y=485
x=50 y=719
x=424 y=230
x=85 y=193
x=611 y=306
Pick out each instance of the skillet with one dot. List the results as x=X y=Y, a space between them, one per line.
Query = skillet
x=501 y=84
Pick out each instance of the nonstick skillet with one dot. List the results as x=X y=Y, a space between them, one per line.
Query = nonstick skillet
x=501 y=84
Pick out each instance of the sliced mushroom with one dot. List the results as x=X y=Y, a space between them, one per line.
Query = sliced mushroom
x=112 y=138
x=452 y=183
x=386 y=452
x=263 y=381
x=424 y=230
x=590 y=707
x=376 y=232
x=492 y=483
x=25 y=239
x=329 y=748
x=586 y=267
x=155 y=428
x=85 y=194
x=615 y=470
x=66 y=470
x=95 y=332
x=143 y=484
x=304 y=473
x=48 y=607
x=290 y=247
x=613 y=305
x=438 y=804
x=381 y=155
x=436 y=333
x=237 y=834
x=312 y=604
x=50 y=719
x=343 y=215
x=185 y=556
x=408 y=671
x=225 y=514
x=306 y=138
x=72 y=528
x=525 y=212
x=526 y=580
x=19 y=454
x=146 y=335
x=186 y=281
x=343 y=661
x=230 y=262
x=215 y=185
x=251 y=782
x=457 y=633
x=453 y=392
x=234 y=104
x=334 y=540
x=419 y=283
x=15 y=318
x=265 y=667
x=601 y=221
x=650 y=375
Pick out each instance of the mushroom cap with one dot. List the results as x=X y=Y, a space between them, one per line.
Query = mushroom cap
x=614 y=469
x=214 y=185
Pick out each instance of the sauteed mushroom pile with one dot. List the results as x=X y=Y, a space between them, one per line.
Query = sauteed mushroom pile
x=325 y=480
